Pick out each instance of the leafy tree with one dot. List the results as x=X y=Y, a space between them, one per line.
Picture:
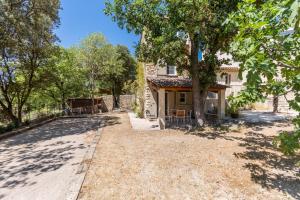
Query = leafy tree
x=167 y=26
x=140 y=87
x=92 y=56
x=26 y=43
x=127 y=73
x=63 y=78
x=268 y=47
x=107 y=66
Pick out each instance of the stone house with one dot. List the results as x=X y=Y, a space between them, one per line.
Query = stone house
x=165 y=90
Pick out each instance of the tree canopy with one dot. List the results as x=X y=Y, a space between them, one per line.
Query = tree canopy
x=174 y=32
x=267 y=46
x=108 y=66
x=26 y=42
x=63 y=78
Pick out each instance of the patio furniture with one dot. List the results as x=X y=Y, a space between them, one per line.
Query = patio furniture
x=180 y=116
x=171 y=113
x=189 y=116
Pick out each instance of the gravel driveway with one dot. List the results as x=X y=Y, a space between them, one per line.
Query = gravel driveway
x=205 y=164
x=44 y=163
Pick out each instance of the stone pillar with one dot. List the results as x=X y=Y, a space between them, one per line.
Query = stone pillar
x=221 y=104
x=161 y=108
x=161 y=103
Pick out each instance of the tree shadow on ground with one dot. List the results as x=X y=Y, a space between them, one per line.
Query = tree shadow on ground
x=268 y=167
x=45 y=149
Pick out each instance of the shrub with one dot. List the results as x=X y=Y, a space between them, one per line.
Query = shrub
x=234 y=105
x=287 y=142
x=137 y=110
x=7 y=128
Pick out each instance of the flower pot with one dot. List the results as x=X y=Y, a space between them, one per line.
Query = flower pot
x=234 y=115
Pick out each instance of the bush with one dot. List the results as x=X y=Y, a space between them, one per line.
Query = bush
x=287 y=142
x=137 y=110
x=7 y=128
x=234 y=105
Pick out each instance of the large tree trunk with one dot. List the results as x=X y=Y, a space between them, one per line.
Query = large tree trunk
x=115 y=97
x=199 y=96
x=13 y=117
x=203 y=97
x=9 y=112
x=19 y=122
x=116 y=91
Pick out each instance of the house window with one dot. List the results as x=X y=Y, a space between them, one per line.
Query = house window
x=182 y=98
x=171 y=70
x=227 y=79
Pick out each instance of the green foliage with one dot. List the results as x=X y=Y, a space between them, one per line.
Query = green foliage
x=7 y=128
x=26 y=42
x=235 y=104
x=167 y=25
x=288 y=143
x=129 y=87
x=107 y=66
x=63 y=78
x=268 y=47
x=244 y=98
x=140 y=88
x=173 y=32
x=138 y=110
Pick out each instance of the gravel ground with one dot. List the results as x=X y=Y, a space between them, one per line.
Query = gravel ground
x=43 y=163
x=210 y=164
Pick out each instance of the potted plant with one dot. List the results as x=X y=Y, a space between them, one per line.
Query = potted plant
x=234 y=111
x=234 y=106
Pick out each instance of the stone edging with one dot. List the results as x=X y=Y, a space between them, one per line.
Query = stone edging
x=26 y=128
x=85 y=164
x=35 y=125
x=90 y=152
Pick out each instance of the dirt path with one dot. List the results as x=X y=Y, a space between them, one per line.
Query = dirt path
x=175 y=165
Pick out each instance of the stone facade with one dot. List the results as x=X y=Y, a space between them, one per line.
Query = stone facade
x=159 y=101
x=150 y=96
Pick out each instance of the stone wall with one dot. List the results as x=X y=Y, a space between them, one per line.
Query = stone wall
x=150 y=70
x=126 y=102
x=107 y=103
x=150 y=104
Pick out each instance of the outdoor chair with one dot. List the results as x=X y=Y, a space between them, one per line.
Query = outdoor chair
x=170 y=115
x=180 y=116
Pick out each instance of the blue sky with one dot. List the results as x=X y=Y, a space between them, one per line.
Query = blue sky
x=79 y=18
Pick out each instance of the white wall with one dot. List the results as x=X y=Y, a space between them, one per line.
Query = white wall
x=236 y=84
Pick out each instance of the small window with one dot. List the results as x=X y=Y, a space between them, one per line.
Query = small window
x=227 y=79
x=182 y=98
x=171 y=70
